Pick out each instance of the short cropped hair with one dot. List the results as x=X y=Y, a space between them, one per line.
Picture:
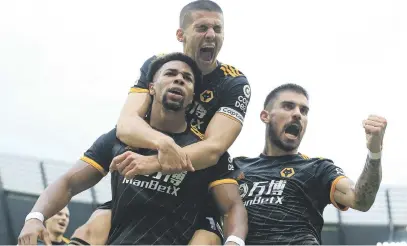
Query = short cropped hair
x=285 y=87
x=198 y=5
x=176 y=56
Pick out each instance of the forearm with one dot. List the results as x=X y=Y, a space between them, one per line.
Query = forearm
x=54 y=198
x=136 y=132
x=57 y=195
x=203 y=154
x=368 y=184
x=235 y=222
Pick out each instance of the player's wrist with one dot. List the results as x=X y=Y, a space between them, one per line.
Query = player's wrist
x=163 y=142
x=235 y=239
x=153 y=159
x=35 y=216
x=374 y=155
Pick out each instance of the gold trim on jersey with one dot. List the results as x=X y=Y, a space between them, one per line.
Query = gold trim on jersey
x=94 y=164
x=230 y=71
x=138 y=90
x=222 y=181
x=66 y=240
x=305 y=157
x=197 y=133
x=233 y=118
x=331 y=194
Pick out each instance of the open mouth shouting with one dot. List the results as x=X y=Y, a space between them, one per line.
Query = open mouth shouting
x=207 y=53
x=293 y=130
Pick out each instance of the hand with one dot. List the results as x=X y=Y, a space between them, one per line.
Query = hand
x=375 y=127
x=32 y=230
x=130 y=164
x=172 y=158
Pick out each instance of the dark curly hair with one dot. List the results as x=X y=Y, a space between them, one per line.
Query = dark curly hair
x=176 y=56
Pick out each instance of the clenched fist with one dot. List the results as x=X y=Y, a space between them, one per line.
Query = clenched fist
x=375 y=126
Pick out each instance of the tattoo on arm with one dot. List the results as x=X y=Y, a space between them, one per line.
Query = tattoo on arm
x=368 y=184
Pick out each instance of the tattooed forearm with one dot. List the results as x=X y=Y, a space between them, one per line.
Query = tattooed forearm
x=368 y=184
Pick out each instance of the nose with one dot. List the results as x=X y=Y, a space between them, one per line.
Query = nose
x=210 y=34
x=179 y=80
x=297 y=114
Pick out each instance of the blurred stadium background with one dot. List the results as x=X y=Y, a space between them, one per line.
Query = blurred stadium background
x=22 y=179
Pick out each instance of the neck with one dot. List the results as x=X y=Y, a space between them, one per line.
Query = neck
x=209 y=69
x=55 y=237
x=167 y=120
x=272 y=150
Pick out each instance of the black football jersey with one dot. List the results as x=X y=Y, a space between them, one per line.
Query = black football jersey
x=157 y=208
x=285 y=197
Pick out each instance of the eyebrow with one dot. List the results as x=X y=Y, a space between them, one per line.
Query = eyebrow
x=206 y=24
x=302 y=105
x=176 y=71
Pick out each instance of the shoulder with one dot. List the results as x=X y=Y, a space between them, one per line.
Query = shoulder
x=323 y=161
x=318 y=164
x=105 y=139
x=233 y=79
x=317 y=159
x=243 y=162
x=229 y=71
x=110 y=136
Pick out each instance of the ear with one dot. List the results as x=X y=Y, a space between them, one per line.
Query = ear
x=151 y=88
x=264 y=116
x=180 y=35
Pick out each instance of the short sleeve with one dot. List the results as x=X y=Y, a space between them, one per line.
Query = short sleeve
x=329 y=174
x=235 y=98
x=223 y=172
x=141 y=84
x=100 y=154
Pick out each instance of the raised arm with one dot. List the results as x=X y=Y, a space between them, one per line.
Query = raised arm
x=362 y=195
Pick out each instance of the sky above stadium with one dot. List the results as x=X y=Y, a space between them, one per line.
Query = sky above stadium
x=66 y=67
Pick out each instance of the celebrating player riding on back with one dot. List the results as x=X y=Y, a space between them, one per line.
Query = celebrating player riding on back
x=220 y=103
x=217 y=114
